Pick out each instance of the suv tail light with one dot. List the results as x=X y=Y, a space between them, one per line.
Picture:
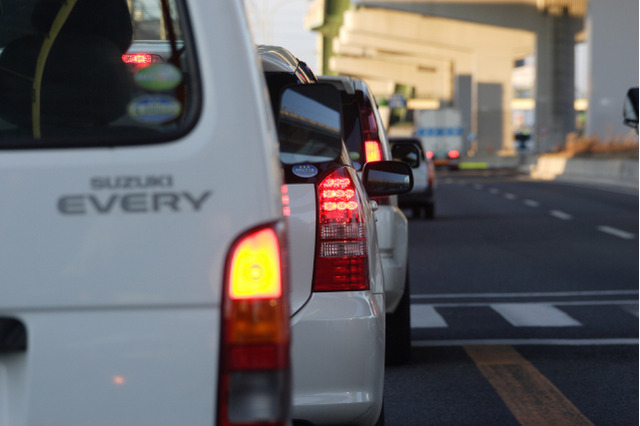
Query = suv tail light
x=372 y=151
x=254 y=360
x=141 y=59
x=341 y=254
x=372 y=144
x=453 y=154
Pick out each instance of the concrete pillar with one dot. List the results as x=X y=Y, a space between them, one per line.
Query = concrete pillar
x=612 y=44
x=555 y=81
x=463 y=100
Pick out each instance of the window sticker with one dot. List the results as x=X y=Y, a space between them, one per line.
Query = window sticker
x=158 y=77
x=154 y=109
x=304 y=170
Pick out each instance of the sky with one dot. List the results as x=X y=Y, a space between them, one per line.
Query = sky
x=281 y=23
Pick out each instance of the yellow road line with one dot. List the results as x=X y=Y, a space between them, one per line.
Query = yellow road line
x=529 y=395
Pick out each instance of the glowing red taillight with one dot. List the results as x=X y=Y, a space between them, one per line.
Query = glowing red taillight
x=254 y=351
x=141 y=59
x=286 y=208
x=429 y=155
x=453 y=154
x=341 y=256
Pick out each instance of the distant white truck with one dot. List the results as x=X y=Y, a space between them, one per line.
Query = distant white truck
x=440 y=132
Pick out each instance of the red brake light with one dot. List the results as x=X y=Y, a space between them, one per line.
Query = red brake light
x=372 y=151
x=141 y=59
x=341 y=256
x=429 y=154
x=454 y=154
x=286 y=208
x=254 y=354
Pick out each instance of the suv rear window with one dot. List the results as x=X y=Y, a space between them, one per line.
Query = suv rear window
x=309 y=133
x=94 y=73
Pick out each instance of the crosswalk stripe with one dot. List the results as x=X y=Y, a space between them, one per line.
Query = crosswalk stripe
x=534 y=315
x=426 y=316
x=517 y=314
x=528 y=342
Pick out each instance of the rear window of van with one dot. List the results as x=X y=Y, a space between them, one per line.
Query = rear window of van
x=84 y=73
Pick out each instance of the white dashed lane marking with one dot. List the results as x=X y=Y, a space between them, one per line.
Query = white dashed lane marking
x=560 y=215
x=616 y=232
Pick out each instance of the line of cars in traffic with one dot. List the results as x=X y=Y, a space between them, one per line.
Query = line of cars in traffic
x=195 y=231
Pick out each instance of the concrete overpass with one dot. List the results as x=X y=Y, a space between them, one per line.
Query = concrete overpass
x=461 y=53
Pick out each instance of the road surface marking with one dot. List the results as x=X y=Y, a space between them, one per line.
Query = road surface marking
x=528 y=294
x=494 y=191
x=510 y=196
x=529 y=395
x=531 y=203
x=534 y=315
x=431 y=343
x=426 y=316
x=478 y=186
x=560 y=215
x=616 y=232
x=548 y=302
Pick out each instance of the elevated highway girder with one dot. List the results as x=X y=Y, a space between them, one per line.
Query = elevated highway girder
x=431 y=55
x=444 y=48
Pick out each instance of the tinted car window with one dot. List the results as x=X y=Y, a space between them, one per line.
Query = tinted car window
x=352 y=129
x=309 y=132
x=308 y=129
x=94 y=73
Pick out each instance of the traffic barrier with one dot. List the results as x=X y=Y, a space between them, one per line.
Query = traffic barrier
x=619 y=172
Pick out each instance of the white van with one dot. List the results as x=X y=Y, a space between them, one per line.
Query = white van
x=141 y=218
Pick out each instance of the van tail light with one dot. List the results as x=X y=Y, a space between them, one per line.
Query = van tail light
x=254 y=359
x=453 y=154
x=141 y=60
x=341 y=253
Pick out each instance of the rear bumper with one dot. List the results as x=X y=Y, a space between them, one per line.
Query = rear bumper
x=338 y=358
x=113 y=366
x=448 y=162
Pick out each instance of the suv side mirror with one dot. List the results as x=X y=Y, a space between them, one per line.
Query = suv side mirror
x=382 y=178
x=630 y=111
x=408 y=153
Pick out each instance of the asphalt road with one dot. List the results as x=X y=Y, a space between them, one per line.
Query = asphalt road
x=524 y=306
